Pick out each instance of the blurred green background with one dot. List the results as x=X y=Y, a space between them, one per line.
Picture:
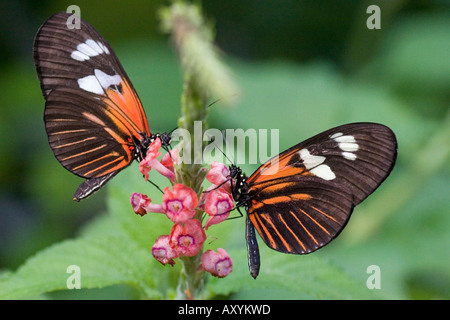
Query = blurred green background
x=303 y=67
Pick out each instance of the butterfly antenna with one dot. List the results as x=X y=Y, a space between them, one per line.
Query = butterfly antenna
x=226 y=145
x=170 y=132
x=217 y=100
x=224 y=139
x=157 y=187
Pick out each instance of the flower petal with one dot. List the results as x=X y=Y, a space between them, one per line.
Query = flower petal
x=218 y=204
x=151 y=161
x=187 y=238
x=180 y=204
x=218 y=264
x=163 y=252
x=219 y=175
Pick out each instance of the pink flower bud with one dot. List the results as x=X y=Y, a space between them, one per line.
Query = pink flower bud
x=163 y=252
x=218 y=204
x=187 y=238
x=151 y=161
x=142 y=204
x=169 y=159
x=146 y=164
x=219 y=174
x=179 y=204
x=218 y=263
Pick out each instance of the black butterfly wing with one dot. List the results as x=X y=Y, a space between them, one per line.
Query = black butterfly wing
x=302 y=199
x=93 y=116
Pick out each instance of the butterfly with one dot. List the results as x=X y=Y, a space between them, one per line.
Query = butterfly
x=95 y=122
x=301 y=199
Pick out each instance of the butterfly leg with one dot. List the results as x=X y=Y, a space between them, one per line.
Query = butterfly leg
x=218 y=186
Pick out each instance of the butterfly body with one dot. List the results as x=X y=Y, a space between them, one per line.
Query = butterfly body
x=95 y=122
x=301 y=199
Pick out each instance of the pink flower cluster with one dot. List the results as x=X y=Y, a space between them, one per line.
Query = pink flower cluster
x=183 y=207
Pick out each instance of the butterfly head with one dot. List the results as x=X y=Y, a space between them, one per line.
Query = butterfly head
x=166 y=139
x=235 y=171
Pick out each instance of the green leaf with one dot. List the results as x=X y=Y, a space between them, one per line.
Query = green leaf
x=288 y=277
x=103 y=261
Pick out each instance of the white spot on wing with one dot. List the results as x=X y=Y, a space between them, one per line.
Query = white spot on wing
x=337 y=134
x=323 y=171
x=90 y=84
x=99 y=82
x=350 y=147
x=95 y=46
x=88 y=49
x=104 y=48
x=347 y=144
x=77 y=55
x=309 y=160
x=349 y=156
x=316 y=166
x=106 y=80
x=349 y=139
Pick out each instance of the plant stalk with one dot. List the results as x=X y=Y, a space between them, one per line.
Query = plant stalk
x=205 y=77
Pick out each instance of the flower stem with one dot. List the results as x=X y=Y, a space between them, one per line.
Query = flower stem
x=192 y=109
x=205 y=77
x=191 y=280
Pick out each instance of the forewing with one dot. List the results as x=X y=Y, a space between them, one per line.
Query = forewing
x=358 y=156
